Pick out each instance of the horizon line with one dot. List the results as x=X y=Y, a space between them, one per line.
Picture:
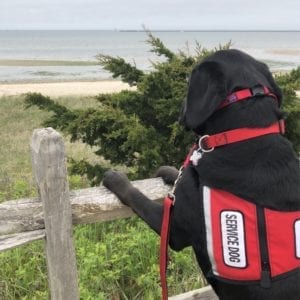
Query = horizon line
x=153 y=30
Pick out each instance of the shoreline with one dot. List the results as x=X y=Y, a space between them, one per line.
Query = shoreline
x=68 y=88
x=64 y=88
x=55 y=80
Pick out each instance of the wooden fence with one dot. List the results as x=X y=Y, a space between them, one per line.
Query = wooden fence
x=52 y=215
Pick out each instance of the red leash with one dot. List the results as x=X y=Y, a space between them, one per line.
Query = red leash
x=206 y=144
x=169 y=202
x=164 y=240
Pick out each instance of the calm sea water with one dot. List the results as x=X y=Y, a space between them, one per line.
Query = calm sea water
x=47 y=55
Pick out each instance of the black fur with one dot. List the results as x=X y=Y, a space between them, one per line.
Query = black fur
x=263 y=170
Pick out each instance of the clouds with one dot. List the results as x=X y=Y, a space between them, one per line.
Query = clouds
x=155 y=14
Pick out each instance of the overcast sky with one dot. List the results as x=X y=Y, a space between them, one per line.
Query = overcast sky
x=154 y=14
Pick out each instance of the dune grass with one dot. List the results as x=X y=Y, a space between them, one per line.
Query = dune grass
x=17 y=125
x=116 y=260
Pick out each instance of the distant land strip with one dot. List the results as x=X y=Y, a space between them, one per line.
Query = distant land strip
x=42 y=62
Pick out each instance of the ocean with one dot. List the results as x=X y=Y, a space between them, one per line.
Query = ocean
x=58 y=55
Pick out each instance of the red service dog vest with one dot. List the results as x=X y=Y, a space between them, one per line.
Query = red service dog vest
x=246 y=242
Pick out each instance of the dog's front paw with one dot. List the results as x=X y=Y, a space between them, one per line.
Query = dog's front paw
x=118 y=183
x=169 y=174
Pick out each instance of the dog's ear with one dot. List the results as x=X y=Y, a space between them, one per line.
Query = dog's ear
x=207 y=89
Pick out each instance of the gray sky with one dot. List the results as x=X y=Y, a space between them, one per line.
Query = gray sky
x=154 y=14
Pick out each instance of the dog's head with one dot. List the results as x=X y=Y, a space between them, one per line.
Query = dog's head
x=218 y=76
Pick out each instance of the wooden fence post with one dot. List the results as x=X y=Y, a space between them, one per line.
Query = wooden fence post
x=48 y=160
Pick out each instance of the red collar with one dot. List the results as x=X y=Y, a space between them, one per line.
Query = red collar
x=244 y=94
x=208 y=143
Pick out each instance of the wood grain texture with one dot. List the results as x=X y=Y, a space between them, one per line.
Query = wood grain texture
x=89 y=205
x=48 y=161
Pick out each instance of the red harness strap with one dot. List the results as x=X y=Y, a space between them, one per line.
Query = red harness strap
x=238 y=135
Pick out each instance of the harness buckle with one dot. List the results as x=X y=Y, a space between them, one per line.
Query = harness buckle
x=202 y=146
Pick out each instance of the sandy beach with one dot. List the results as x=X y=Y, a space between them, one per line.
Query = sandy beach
x=56 y=89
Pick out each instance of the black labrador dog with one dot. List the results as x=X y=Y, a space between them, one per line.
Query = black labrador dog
x=264 y=171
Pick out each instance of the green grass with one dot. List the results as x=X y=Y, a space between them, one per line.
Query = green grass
x=115 y=260
x=17 y=125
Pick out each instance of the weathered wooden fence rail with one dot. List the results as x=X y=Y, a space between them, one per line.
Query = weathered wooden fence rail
x=52 y=214
x=89 y=205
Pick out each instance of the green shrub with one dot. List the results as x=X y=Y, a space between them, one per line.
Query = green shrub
x=139 y=129
x=290 y=83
